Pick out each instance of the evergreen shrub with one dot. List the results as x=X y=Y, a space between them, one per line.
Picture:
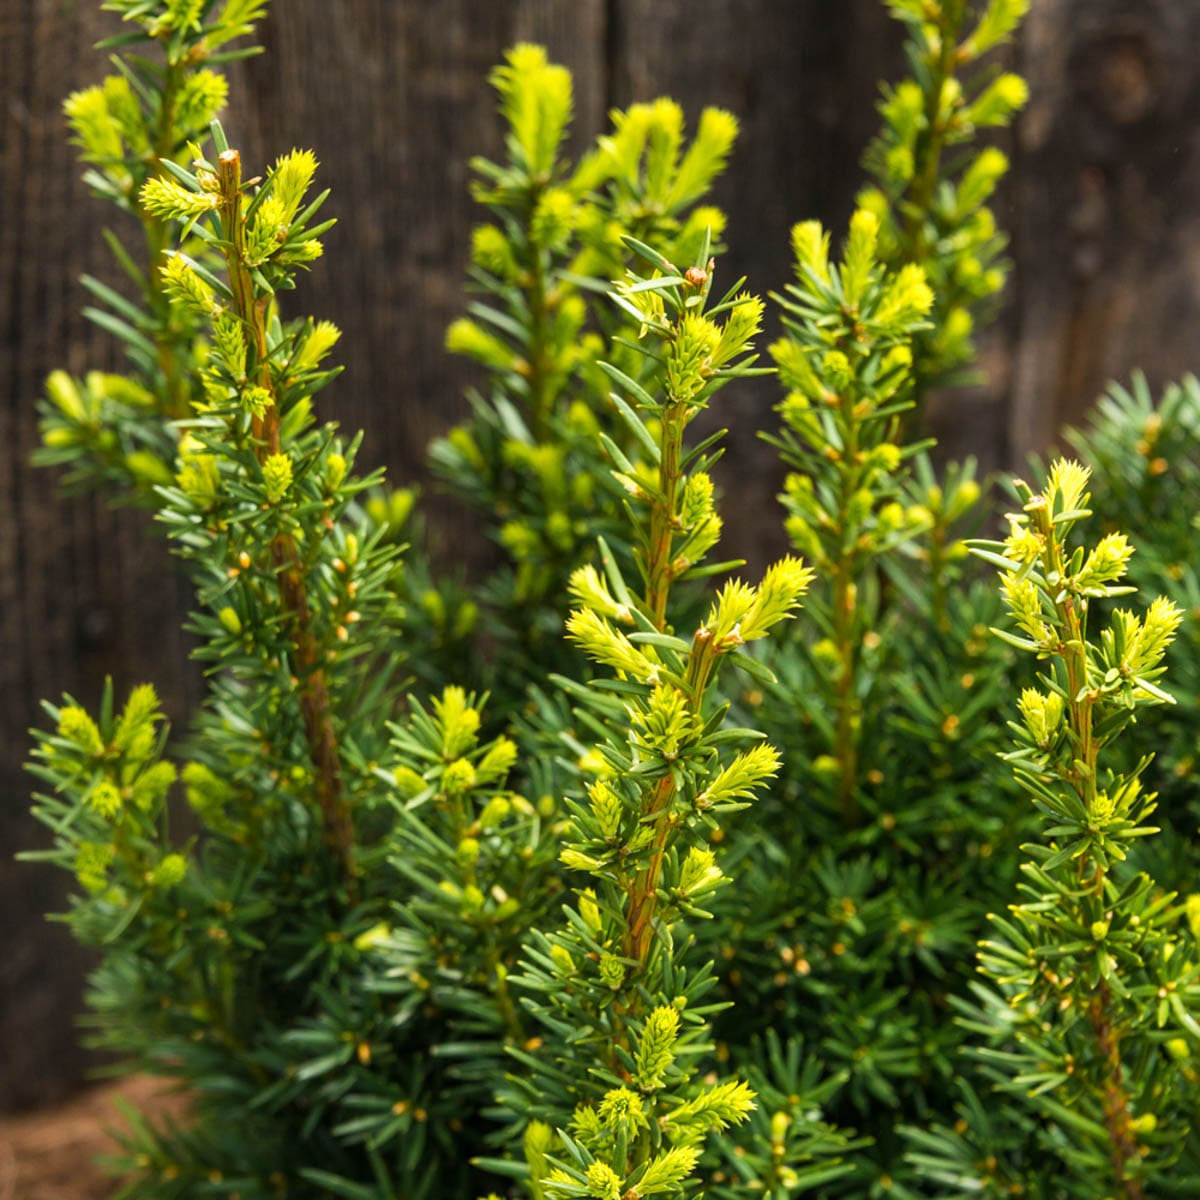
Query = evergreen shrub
x=455 y=917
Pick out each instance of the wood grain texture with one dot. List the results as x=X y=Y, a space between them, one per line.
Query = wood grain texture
x=1107 y=237
x=392 y=95
x=84 y=592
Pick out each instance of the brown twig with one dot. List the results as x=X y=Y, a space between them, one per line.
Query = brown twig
x=1122 y=1140
x=315 y=708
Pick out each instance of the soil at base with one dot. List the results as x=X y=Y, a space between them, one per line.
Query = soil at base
x=50 y=1154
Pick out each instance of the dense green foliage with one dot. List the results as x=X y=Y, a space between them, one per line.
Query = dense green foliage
x=611 y=875
x=531 y=459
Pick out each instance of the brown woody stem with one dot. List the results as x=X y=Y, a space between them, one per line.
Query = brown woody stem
x=643 y=895
x=1122 y=1140
x=313 y=688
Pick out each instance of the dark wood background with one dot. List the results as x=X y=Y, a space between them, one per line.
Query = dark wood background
x=1102 y=207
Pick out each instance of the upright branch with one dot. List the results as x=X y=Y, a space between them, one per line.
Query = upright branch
x=251 y=306
x=939 y=60
x=262 y=242
x=847 y=362
x=933 y=205
x=1089 y=938
x=611 y=990
x=529 y=458
x=121 y=430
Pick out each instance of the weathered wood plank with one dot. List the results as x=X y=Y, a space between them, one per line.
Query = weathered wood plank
x=83 y=590
x=1107 y=237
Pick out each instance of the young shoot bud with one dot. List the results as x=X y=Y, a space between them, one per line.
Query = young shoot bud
x=169 y=871
x=93 y=127
x=1106 y=564
x=836 y=368
x=458 y=721
x=998 y=102
x=705 y=158
x=335 y=471
x=665 y=726
x=151 y=786
x=290 y=180
x=1145 y=641
x=668 y=1171
x=535 y=98
x=229 y=341
x=601 y=642
x=135 y=727
x=168 y=200
x=743 y=322
x=907 y=299
x=1024 y=544
x=699 y=873
x=777 y=596
x=859 y=257
x=980 y=178
x=739 y=780
x=603 y=1182
x=468 y=338
x=810 y=246
x=589 y=589
x=490 y=250
x=690 y=357
x=612 y=971
x=606 y=808
x=656 y=1048
x=733 y=602
x=76 y=726
x=554 y=219
x=201 y=98
x=1025 y=604
x=1043 y=715
x=497 y=761
x=321 y=339
x=717 y=1108
x=277 y=477
x=256 y=400
x=996 y=24
x=92 y=861
x=105 y=799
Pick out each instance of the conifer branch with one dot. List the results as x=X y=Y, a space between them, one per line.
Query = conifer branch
x=313 y=689
x=131 y=128
x=1082 y=697
x=638 y=1118
x=541 y=266
x=1081 y=941
x=940 y=65
x=932 y=205
x=847 y=362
